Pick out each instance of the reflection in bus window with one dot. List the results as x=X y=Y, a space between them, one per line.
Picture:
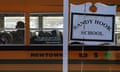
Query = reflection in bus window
x=12 y=28
x=11 y=21
x=48 y=30
x=18 y=35
x=52 y=22
x=47 y=37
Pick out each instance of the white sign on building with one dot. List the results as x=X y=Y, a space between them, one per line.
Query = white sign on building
x=93 y=27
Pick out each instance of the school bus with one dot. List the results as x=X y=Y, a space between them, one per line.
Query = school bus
x=31 y=39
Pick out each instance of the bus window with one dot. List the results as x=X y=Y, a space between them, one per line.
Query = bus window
x=117 y=33
x=12 y=28
x=46 y=28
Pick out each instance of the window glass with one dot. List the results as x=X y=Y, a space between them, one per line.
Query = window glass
x=53 y=22
x=34 y=22
x=118 y=23
x=47 y=28
x=10 y=22
x=12 y=28
x=118 y=30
